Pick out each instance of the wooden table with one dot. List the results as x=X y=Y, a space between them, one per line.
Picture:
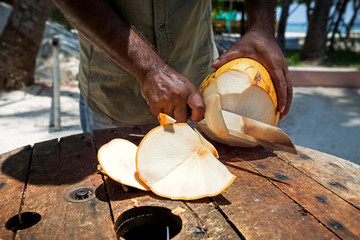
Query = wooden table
x=59 y=194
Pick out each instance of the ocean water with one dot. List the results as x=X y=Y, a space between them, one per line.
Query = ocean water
x=296 y=27
x=302 y=28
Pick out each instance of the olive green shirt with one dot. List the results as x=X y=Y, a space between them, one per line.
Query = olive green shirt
x=181 y=33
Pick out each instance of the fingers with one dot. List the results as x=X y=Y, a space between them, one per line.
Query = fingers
x=181 y=114
x=224 y=58
x=289 y=96
x=281 y=89
x=155 y=110
x=197 y=106
x=191 y=107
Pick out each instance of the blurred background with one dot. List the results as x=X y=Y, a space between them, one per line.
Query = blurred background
x=320 y=40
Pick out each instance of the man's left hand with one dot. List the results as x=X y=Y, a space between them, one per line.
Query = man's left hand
x=262 y=47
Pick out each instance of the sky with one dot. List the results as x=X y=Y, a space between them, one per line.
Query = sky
x=299 y=15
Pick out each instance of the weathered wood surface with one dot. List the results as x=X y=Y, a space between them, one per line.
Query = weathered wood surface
x=340 y=176
x=14 y=167
x=200 y=218
x=56 y=168
x=316 y=200
x=258 y=208
x=274 y=196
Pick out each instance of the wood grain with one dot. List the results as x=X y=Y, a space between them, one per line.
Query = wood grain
x=212 y=220
x=340 y=176
x=259 y=209
x=332 y=211
x=56 y=168
x=200 y=219
x=275 y=195
x=14 y=165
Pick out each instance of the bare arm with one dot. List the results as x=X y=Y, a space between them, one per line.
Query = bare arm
x=164 y=89
x=259 y=44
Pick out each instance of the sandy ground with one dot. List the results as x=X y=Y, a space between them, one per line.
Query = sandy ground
x=325 y=119
x=26 y=115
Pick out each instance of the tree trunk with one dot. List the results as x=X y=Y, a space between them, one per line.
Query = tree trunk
x=338 y=18
x=282 y=23
x=20 y=42
x=356 y=8
x=315 y=41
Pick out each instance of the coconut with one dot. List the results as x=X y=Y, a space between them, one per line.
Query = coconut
x=173 y=160
x=242 y=86
x=117 y=160
x=177 y=162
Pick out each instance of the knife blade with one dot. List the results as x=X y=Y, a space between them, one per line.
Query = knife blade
x=256 y=131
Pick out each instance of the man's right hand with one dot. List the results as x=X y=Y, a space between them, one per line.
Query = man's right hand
x=167 y=91
x=164 y=89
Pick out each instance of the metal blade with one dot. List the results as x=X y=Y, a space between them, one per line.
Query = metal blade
x=256 y=131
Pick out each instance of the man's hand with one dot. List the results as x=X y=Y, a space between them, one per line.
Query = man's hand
x=167 y=91
x=263 y=48
x=259 y=44
x=164 y=89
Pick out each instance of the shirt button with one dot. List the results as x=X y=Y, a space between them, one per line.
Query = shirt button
x=161 y=26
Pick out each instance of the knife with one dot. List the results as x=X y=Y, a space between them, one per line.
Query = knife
x=257 y=132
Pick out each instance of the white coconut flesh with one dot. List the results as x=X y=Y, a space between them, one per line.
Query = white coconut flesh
x=233 y=92
x=239 y=96
x=178 y=163
x=117 y=160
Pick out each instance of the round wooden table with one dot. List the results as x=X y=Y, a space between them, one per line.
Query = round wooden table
x=53 y=190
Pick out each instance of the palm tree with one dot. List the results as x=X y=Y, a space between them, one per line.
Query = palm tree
x=285 y=5
x=314 y=48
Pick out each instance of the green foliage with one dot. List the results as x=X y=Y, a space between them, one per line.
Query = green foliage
x=342 y=58
x=217 y=7
x=58 y=17
x=293 y=58
x=339 y=58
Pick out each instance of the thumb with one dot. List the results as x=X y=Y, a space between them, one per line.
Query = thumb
x=224 y=58
x=196 y=107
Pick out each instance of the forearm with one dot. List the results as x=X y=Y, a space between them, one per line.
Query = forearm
x=261 y=15
x=104 y=28
x=164 y=89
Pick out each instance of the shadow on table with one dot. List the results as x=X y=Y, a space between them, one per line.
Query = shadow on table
x=113 y=191
x=53 y=162
x=15 y=163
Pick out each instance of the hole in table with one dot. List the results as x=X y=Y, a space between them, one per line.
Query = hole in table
x=148 y=223
x=80 y=194
x=22 y=221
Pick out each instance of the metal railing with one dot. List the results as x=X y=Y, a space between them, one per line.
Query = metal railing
x=67 y=42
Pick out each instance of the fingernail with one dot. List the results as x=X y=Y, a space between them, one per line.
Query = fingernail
x=216 y=61
x=281 y=109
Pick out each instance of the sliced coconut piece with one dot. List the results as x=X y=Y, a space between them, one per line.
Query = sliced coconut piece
x=207 y=144
x=213 y=116
x=117 y=160
x=232 y=81
x=165 y=119
x=242 y=86
x=178 y=163
x=228 y=140
x=245 y=99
